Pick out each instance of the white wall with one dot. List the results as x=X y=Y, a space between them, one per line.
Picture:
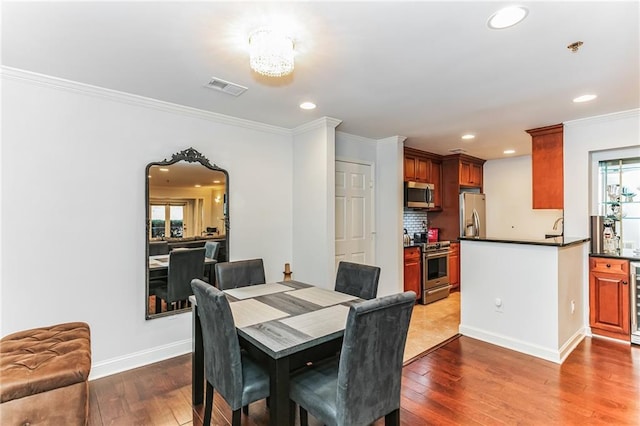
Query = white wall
x=314 y=202
x=74 y=156
x=508 y=186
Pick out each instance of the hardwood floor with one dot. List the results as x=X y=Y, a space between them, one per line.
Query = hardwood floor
x=463 y=382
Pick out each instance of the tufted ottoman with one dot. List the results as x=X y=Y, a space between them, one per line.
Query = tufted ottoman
x=43 y=376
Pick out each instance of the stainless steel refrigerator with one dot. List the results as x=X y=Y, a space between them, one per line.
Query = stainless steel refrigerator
x=472 y=215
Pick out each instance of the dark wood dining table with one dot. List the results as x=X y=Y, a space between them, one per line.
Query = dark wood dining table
x=284 y=325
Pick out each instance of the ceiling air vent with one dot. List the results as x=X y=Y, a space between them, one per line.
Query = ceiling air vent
x=225 y=86
x=457 y=151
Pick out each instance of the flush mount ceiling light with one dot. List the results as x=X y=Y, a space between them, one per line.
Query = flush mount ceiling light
x=270 y=52
x=584 y=98
x=507 y=17
x=468 y=136
x=307 y=105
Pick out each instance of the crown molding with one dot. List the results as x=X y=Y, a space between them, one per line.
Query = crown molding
x=316 y=124
x=355 y=138
x=632 y=113
x=16 y=74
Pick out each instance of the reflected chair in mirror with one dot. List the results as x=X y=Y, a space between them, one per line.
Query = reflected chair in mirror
x=184 y=266
x=158 y=248
x=228 y=370
x=240 y=273
x=358 y=280
x=364 y=383
x=211 y=249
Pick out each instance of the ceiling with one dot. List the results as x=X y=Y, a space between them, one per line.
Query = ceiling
x=430 y=71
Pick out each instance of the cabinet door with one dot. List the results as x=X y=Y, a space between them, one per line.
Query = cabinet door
x=609 y=304
x=454 y=266
x=436 y=180
x=423 y=168
x=409 y=168
x=412 y=270
x=475 y=174
x=465 y=173
x=547 y=167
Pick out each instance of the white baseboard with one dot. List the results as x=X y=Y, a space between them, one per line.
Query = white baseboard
x=139 y=359
x=554 y=355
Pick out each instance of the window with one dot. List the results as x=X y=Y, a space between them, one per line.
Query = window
x=167 y=220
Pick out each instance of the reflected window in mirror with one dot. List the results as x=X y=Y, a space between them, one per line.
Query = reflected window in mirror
x=186 y=206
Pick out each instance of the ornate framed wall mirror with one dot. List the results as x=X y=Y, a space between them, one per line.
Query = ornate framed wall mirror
x=187 y=228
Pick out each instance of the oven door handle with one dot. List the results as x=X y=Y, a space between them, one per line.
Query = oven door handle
x=437 y=289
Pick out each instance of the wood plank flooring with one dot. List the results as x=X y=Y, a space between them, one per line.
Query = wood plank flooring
x=464 y=382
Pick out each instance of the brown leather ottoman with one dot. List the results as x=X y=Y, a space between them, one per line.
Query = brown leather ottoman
x=43 y=376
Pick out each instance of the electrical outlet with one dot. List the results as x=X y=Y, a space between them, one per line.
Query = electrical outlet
x=573 y=306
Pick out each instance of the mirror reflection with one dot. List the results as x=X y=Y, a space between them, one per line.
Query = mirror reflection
x=187 y=228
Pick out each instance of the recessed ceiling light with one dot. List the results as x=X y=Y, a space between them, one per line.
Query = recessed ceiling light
x=307 y=105
x=163 y=169
x=468 y=136
x=509 y=151
x=584 y=98
x=197 y=185
x=216 y=181
x=507 y=17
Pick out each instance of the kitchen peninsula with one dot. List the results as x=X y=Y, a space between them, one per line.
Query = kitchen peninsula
x=525 y=295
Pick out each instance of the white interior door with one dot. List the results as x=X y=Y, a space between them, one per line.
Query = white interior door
x=354 y=237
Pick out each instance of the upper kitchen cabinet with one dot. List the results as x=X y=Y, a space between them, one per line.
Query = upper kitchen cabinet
x=421 y=166
x=470 y=173
x=547 y=167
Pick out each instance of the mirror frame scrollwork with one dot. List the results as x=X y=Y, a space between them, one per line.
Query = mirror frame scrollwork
x=189 y=155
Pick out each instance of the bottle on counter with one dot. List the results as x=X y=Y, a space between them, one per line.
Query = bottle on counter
x=608 y=240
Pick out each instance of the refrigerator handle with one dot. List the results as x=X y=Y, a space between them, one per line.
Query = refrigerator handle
x=476 y=222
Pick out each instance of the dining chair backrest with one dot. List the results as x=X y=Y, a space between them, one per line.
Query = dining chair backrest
x=158 y=247
x=357 y=280
x=211 y=249
x=223 y=363
x=240 y=273
x=370 y=368
x=184 y=265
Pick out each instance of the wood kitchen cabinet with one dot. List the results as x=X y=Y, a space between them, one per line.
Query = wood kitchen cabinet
x=412 y=270
x=547 y=167
x=454 y=266
x=609 y=297
x=421 y=166
x=459 y=172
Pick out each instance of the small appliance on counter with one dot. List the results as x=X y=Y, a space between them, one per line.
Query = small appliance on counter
x=432 y=235
x=421 y=237
x=406 y=240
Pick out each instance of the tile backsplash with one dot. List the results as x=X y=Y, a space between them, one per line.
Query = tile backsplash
x=413 y=220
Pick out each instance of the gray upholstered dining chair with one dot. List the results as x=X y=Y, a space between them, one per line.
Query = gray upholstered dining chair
x=184 y=265
x=357 y=280
x=364 y=383
x=240 y=273
x=228 y=370
x=211 y=249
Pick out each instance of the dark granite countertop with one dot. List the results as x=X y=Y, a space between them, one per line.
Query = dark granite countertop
x=549 y=242
x=627 y=254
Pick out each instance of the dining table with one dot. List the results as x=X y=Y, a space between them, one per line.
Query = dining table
x=159 y=265
x=284 y=325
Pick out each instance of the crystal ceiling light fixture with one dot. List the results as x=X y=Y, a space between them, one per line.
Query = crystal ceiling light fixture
x=270 y=52
x=507 y=17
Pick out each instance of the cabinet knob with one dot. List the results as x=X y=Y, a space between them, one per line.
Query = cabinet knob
x=624 y=283
x=608 y=265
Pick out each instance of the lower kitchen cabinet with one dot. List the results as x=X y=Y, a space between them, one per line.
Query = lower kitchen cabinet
x=412 y=270
x=609 y=297
x=454 y=266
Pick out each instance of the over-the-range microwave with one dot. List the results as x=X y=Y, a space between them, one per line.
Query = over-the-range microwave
x=418 y=195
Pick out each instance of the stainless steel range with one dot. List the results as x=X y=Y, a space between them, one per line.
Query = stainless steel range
x=435 y=271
